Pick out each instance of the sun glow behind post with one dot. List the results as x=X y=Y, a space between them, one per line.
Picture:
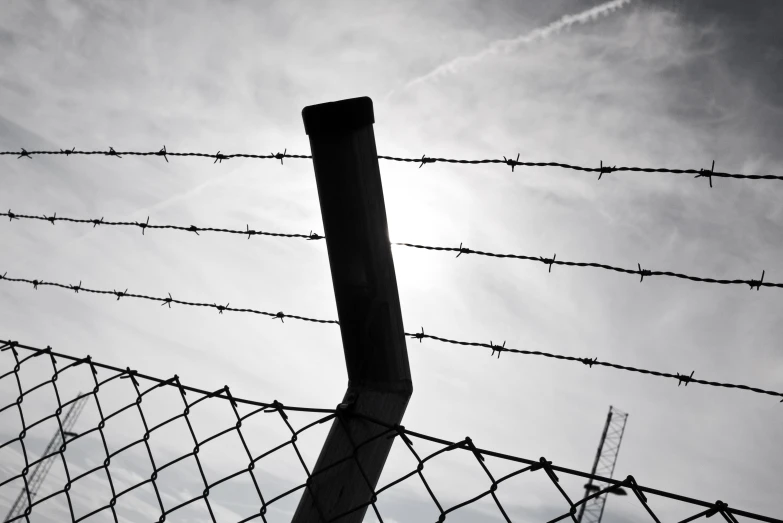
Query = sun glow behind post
x=412 y=218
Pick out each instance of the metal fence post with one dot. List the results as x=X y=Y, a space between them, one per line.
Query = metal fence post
x=345 y=161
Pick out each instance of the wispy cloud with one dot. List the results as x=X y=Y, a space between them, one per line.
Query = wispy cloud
x=510 y=44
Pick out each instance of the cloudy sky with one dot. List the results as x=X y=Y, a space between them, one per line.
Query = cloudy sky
x=653 y=84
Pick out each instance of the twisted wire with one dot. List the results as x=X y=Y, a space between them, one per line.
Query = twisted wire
x=165 y=301
x=601 y=169
x=752 y=283
x=421 y=335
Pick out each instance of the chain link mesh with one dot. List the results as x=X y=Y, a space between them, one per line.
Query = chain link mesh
x=133 y=463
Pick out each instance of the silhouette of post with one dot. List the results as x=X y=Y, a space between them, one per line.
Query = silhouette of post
x=345 y=161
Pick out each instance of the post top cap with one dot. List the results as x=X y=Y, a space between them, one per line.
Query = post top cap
x=340 y=116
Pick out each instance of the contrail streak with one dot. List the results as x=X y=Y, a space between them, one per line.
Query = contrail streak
x=508 y=45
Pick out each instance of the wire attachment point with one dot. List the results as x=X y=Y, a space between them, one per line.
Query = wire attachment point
x=229 y=396
x=9 y=345
x=399 y=430
x=547 y=466
x=314 y=236
x=276 y=406
x=130 y=374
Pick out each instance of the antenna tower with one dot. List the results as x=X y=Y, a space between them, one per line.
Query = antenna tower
x=41 y=469
x=592 y=510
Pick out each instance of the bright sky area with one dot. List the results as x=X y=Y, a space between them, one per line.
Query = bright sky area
x=574 y=81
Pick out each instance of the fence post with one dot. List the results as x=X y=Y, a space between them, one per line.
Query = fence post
x=345 y=161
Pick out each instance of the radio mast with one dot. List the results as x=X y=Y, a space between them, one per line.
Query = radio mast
x=41 y=469
x=605 y=459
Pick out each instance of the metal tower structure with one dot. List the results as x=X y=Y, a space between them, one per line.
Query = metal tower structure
x=41 y=469
x=605 y=459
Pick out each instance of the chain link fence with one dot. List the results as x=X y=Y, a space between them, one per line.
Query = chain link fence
x=221 y=458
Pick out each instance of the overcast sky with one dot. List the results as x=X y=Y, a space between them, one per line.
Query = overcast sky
x=629 y=83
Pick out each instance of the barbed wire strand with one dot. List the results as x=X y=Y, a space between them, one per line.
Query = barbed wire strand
x=681 y=378
x=406 y=435
x=165 y=301
x=753 y=284
x=146 y=225
x=601 y=169
x=757 y=284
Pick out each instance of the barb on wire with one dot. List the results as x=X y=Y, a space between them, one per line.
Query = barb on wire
x=162 y=152
x=605 y=170
x=512 y=163
x=165 y=301
x=708 y=173
x=681 y=378
x=142 y=225
x=142 y=385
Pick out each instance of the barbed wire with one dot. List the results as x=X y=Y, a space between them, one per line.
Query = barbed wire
x=224 y=394
x=165 y=301
x=757 y=284
x=146 y=225
x=681 y=378
x=601 y=169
